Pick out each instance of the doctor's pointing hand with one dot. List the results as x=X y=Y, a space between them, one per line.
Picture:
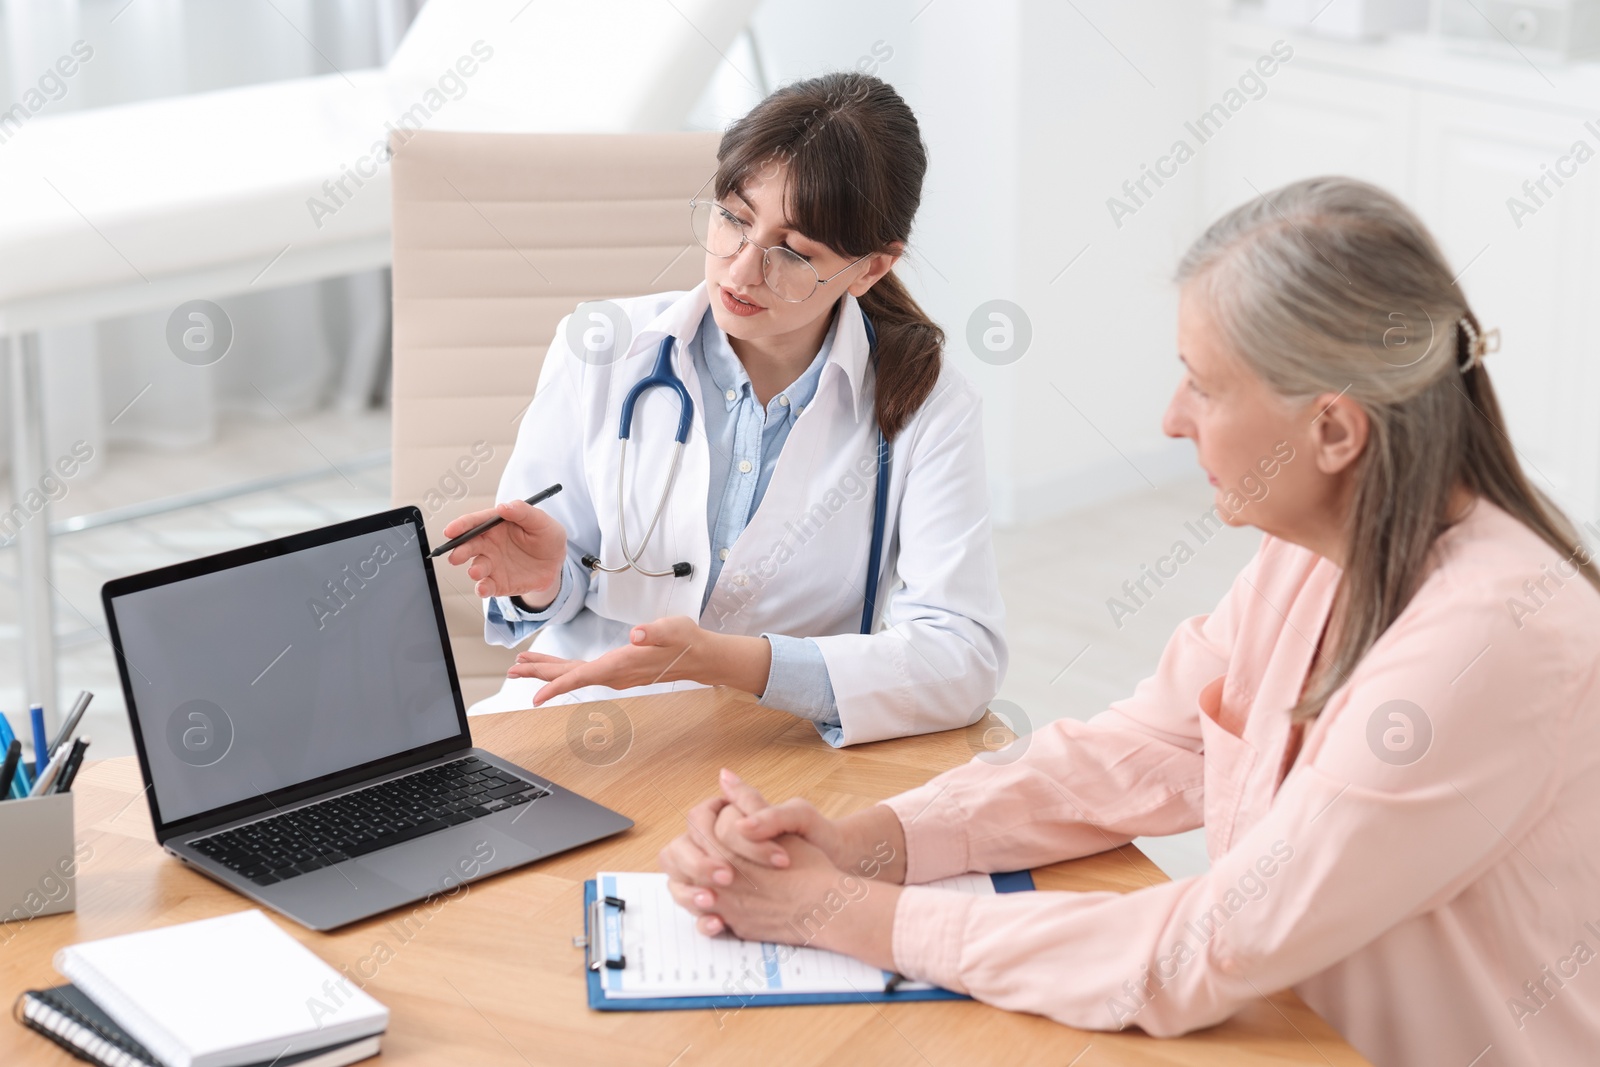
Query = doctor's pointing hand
x=527 y=552
x=775 y=482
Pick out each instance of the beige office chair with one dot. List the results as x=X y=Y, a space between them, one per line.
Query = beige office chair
x=496 y=237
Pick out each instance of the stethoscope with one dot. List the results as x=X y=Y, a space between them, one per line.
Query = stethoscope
x=663 y=375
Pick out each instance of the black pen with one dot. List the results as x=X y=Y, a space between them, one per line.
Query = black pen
x=69 y=769
x=491 y=524
x=9 y=769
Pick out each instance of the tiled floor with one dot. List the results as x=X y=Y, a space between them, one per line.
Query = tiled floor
x=1069 y=657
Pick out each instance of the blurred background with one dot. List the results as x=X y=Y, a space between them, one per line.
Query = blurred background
x=154 y=153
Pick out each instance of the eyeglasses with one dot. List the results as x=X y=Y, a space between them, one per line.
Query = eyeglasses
x=724 y=235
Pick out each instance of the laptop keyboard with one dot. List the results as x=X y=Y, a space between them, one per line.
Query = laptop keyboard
x=356 y=823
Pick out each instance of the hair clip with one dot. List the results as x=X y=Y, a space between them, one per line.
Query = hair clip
x=1478 y=345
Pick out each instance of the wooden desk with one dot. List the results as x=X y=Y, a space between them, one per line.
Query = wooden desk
x=491 y=976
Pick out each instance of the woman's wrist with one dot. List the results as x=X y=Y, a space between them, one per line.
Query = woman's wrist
x=533 y=603
x=873 y=844
x=864 y=927
x=733 y=660
x=536 y=600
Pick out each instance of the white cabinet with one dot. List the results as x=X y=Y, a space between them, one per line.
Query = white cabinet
x=1307 y=122
x=1537 y=281
x=1455 y=137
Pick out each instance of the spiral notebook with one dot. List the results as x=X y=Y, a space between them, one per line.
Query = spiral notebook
x=67 y=1016
x=646 y=955
x=221 y=992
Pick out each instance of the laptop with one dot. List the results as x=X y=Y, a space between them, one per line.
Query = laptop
x=301 y=732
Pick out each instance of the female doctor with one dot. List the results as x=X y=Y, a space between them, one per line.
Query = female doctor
x=778 y=485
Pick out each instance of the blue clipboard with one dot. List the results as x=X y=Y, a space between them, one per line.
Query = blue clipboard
x=1009 y=882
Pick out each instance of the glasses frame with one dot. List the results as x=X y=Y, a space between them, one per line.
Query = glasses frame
x=766 y=251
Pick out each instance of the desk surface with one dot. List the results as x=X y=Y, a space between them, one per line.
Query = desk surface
x=492 y=975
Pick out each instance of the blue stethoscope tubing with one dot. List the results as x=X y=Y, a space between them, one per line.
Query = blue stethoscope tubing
x=662 y=375
x=880 y=503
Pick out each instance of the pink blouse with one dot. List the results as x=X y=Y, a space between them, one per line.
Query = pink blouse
x=1427 y=876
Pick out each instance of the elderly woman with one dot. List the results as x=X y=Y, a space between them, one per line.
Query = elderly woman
x=1389 y=727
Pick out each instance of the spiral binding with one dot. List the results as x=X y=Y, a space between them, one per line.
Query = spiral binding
x=45 y=1012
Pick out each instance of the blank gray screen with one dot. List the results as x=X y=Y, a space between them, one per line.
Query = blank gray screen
x=259 y=677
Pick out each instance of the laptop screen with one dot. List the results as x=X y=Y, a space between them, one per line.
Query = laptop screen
x=276 y=671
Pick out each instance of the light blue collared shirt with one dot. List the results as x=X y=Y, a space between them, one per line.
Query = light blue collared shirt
x=745 y=440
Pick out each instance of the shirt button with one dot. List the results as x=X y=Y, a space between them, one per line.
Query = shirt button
x=722 y=553
x=731 y=394
x=783 y=401
x=744 y=466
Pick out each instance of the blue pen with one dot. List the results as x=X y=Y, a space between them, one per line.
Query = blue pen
x=41 y=743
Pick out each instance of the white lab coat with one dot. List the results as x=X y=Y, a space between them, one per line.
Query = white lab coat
x=938 y=654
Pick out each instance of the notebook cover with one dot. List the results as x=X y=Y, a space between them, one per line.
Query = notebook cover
x=1009 y=882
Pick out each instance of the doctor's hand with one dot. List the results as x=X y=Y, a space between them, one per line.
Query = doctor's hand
x=523 y=556
x=673 y=649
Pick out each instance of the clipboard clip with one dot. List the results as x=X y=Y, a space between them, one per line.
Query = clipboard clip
x=605 y=927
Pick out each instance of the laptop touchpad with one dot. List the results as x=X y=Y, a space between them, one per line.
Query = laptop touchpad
x=440 y=862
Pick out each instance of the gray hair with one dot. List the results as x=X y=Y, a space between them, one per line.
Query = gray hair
x=1332 y=285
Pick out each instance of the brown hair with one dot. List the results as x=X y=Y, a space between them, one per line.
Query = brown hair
x=855 y=162
x=1326 y=286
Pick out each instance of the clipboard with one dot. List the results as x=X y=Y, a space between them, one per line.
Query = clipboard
x=597 y=909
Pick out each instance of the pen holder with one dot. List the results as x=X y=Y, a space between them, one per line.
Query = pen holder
x=38 y=875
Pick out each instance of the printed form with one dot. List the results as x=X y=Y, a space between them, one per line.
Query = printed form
x=665 y=955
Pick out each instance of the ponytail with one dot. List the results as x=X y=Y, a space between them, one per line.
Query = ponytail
x=910 y=346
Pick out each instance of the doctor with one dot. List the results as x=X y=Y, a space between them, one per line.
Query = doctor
x=778 y=484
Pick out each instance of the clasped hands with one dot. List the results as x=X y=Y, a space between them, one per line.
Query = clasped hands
x=787 y=874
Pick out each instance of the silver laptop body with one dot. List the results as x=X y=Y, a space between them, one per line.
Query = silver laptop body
x=301 y=732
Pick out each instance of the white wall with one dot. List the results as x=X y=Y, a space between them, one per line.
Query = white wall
x=1101 y=95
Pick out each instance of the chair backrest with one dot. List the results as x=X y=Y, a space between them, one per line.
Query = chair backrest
x=496 y=237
